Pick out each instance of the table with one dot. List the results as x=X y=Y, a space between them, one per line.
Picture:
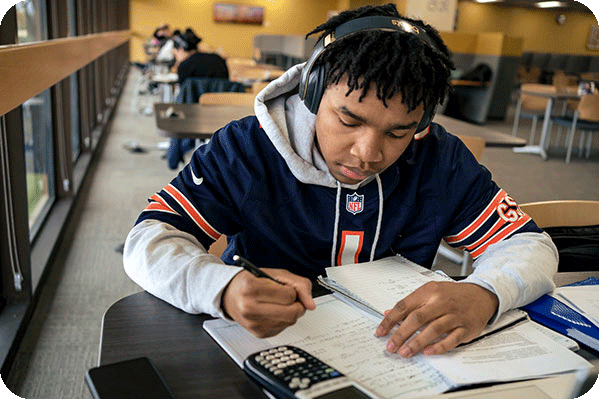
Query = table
x=191 y=363
x=196 y=121
x=551 y=96
x=166 y=83
x=492 y=138
x=200 y=121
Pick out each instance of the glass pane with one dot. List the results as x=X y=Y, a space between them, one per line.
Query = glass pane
x=37 y=122
x=30 y=21
x=39 y=165
x=75 y=136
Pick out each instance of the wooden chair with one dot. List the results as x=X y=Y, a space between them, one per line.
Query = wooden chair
x=228 y=98
x=573 y=227
x=562 y=213
x=585 y=119
x=258 y=86
x=475 y=145
x=218 y=247
x=531 y=106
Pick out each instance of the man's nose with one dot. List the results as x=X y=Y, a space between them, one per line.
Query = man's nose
x=368 y=147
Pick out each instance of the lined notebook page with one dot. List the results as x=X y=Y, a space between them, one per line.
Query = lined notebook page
x=345 y=338
x=384 y=282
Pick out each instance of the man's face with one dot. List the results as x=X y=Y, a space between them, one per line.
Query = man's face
x=360 y=139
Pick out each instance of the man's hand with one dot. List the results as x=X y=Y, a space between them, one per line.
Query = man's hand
x=265 y=307
x=447 y=313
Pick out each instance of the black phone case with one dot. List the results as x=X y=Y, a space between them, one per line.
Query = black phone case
x=131 y=379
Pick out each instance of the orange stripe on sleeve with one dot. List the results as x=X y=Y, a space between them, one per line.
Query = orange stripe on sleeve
x=192 y=212
x=502 y=234
x=489 y=210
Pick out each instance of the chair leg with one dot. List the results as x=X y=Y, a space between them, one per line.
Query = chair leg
x=581 y=139
x=532 y=133
x=588 y=149
x=570 y=143
x=546 y=143
x=517 y=116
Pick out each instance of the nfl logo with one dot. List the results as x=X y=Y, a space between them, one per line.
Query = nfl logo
x=355 y=202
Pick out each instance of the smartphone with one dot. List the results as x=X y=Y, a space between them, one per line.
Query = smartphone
x=131 y=379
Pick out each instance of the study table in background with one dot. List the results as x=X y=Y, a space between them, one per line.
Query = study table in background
x=191 y=363
x=552 y=98
x=198 y=121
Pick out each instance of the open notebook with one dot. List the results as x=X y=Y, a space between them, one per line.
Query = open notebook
x=342 y=335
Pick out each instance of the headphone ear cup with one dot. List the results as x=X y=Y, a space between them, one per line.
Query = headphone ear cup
x=315 y=89
x=427 y=118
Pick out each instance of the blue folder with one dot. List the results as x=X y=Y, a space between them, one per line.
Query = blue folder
x=558 y=316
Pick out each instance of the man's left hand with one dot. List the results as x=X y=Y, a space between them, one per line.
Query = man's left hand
x=446 y=313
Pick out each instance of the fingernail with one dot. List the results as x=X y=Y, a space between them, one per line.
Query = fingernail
x=392 y=347
x=405 y=352
x=379 y=331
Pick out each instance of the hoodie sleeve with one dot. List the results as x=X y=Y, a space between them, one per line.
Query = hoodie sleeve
x=165 y=252
x=175 y=267
x=513 y=257
x=518 y=269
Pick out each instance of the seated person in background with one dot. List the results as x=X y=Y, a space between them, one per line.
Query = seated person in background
x=342 y=161
x=193 y=63
x=163 y=39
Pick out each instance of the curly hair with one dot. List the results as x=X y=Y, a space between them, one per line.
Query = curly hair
x=187 y=40
x=396 y=62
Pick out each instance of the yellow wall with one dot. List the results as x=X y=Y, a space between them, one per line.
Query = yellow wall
x=538 y=28
x=293 y=17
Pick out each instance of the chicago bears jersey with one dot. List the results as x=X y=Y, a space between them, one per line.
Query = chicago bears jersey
x=240 y=185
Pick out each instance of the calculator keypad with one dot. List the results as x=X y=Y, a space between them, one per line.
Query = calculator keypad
x=294 y=367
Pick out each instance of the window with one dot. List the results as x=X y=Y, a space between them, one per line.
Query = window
x=37 y=132
x=37 y=123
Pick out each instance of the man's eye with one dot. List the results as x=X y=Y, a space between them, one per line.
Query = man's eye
x=348 y=124
x=396 y=135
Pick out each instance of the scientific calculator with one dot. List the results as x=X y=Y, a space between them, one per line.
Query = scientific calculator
x=290 y=372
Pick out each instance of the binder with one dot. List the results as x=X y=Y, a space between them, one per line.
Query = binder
x=556 y=315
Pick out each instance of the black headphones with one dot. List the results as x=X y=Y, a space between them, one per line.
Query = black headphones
x=312 y=79
x=181 y=42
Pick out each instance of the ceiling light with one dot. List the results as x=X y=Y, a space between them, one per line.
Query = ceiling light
x=548 y=4
x=486 y=1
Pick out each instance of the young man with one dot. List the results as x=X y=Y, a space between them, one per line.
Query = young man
x=340 y=165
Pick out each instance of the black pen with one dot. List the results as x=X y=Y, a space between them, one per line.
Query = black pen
x=253 y=269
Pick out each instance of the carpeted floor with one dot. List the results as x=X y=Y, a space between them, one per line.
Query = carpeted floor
x=63 y=337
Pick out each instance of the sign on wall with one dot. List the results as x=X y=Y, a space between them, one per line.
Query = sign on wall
x=441 y=14
x=238 y=13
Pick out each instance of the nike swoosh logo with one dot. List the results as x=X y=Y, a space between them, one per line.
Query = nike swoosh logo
x=197 y=181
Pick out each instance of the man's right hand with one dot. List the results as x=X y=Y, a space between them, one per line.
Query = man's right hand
x=265 y=307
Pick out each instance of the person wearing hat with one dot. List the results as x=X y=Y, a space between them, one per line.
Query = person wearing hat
x=192 y=63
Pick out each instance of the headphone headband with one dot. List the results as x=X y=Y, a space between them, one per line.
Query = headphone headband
x=312 y=83
x=181 y=42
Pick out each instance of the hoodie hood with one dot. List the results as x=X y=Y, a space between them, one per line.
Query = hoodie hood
x=291 y=128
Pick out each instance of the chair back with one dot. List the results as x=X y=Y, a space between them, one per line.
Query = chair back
x=258 y=86
x=560 y=81
x=192 y=88
x=219 y=246
x=547 y=214
x=228 y=98
x=573 y=227
x=528 y=75
x=532 y=102
x=474 y=144
x=588 y=107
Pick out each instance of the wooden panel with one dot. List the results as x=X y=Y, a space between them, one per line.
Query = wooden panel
x=29 y=69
